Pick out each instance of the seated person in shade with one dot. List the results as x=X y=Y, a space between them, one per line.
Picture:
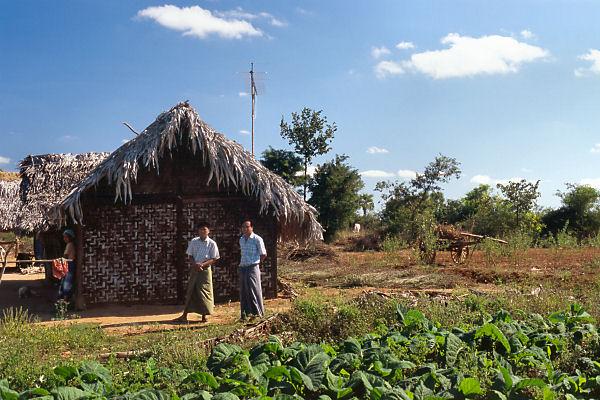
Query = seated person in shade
x=67 y=283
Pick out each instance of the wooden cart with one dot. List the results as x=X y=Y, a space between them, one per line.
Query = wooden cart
x=460 y=244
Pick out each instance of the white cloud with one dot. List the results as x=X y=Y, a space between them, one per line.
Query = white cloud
x=310 y=171
x=593 y=182
x=243 y=94
x=378 y=52
x=407 y=174
x=375 y=173
x=244 y=132
x=4 y=160
x=593 y=56
x=405 y=46
x=488 y=180
x=68 y=138
x=527 y=34
x=199 y=22
x=481 y=179
x=385 y=68
x=595 y=149
x=240 y=13
x=376 y=150
x=467 y=56
x=526 y=170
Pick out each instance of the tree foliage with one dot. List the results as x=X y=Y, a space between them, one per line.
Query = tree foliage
x=579 y=213
x=522 y=198
x=284 y=163
x=310 y=135
x=335 y=194
x=408 y=202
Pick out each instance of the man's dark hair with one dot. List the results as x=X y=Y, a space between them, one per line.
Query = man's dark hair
x=247 y=220
x=202 y=224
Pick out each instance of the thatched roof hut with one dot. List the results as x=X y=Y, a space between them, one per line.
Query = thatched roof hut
x=230 y=167
x=46 y=180
x=9 y=201
x=136 y=211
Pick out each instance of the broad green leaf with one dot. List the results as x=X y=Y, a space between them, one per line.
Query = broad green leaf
x=312 y=361
x=352 y=345
x=203 y=378
x=225 y=396
x=33 y=393
x=498 y=395
x=548 y=394
x=8 y=394
x=72 y=393
x=300 y=377
x=490 y=330
x=66 y=372
x=92 y=371
x=452 y=346
x=469 y=386
x=223 y=356
x=199 y=395
x=530 y=382
x=277 y=373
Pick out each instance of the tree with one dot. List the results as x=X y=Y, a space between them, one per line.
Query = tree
x=310 y=135
x=284 y=163
x=365 y=201
x=521 y=196
x=406 y=202
x=579 y=214
x=334 y=189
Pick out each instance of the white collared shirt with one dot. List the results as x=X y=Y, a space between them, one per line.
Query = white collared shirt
x=251 y=249
x=202 y=250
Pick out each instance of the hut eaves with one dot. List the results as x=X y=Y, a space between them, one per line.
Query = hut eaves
x=230 y=166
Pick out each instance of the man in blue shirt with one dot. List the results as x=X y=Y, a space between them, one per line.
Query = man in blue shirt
x=253 y=252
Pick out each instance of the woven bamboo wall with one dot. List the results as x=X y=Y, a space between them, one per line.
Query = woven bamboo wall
x=129 y=254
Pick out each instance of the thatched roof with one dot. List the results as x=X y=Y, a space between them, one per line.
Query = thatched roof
x=46 y=180
x=230 y=166
x=9 y=202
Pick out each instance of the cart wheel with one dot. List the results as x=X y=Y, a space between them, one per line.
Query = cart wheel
x=460 y=254
x=427 y=255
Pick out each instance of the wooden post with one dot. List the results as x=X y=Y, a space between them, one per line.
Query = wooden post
x=79 y=245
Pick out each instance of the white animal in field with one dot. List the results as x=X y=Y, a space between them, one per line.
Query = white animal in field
x=356 y=228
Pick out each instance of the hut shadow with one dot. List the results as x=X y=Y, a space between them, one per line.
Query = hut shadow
x=169 y=324
x=37 y=298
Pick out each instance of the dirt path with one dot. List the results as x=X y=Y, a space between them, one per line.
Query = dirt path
x=114 y=318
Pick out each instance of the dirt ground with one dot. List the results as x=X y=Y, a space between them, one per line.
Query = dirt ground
x=114 y=318
x=346 y=273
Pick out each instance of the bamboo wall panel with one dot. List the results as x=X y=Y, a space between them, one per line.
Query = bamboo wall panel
x=129 y=254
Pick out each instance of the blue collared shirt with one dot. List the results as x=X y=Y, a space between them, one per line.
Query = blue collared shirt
x=251 y=249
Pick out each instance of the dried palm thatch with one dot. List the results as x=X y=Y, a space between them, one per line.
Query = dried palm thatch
x=9 y=204
x=46 y=180
x=229 y=165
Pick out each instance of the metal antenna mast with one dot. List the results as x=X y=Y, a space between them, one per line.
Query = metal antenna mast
x=253 y=93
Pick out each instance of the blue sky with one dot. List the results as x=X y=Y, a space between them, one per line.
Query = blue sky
x=509 y=88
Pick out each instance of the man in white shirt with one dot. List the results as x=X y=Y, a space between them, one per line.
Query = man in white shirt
x=253 y=252
x=202 y=252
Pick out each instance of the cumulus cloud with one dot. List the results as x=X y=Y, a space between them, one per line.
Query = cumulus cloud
x=593 y=182
x=243 y=94
x=4 y=160
x=488 y=180
x=244 y=132
x=407 y=174
x=467 y=56
x=199 y=22
x=310 y=171
x=527 y=34
x=376 y=173
x=405 y=46
x=386 y=68
x=378 y=52
x=593 y=56
x=595 y=149
x=240 y=13
x=377 y=150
